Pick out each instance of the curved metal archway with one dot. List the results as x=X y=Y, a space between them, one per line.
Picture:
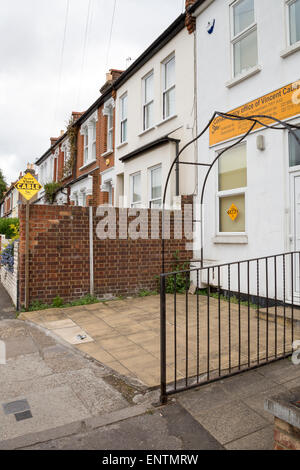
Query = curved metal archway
x=254 y=120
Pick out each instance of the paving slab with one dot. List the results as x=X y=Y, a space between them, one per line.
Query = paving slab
x=171 y=428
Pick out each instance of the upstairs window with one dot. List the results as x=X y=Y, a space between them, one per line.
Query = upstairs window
x=232 y=184
x=169 y=87
x=148 y=101
x=86 y=144
x=155 y=188
x=294 y=21
x=136 y=190
x=244 y=36
x=123 y=115
x=110 y=129
x=94 y=136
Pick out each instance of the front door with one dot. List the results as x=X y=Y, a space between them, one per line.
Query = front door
x=295 y=235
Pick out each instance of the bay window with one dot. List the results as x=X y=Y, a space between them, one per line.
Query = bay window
x=244 y=36
x=148 y=101
x=110 y=128
x=232 y=184
x=169 y=87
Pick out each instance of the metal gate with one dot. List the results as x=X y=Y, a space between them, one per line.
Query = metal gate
x=218 y=321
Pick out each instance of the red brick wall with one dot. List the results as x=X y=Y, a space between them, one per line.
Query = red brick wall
x=286 y=437
x=59 y=256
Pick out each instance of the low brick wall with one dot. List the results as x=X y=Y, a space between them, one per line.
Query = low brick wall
x=60 y=261
x=9 y=279
x=286 y=436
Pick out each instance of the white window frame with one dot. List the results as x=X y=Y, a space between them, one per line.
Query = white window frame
x=110 y=130
x=94 y=140
x=166 y=90
x=86 y=145
x=147 y=104
x=123 y=119
x=228 y=193
x=288 y=4
x=138 y=204
x=234 y=39
x=151 y=201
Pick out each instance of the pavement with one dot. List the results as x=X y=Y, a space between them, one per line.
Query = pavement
x=7 y=309
x=53 y=395
x=125 y=335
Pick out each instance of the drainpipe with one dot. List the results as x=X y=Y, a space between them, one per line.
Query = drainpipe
x=92 y=290
x=177 y=171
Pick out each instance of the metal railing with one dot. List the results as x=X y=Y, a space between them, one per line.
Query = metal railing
x=218 y=321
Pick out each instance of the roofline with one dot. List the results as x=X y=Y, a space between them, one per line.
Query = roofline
x=146 y=148
x=196 y=5
x=156 y=46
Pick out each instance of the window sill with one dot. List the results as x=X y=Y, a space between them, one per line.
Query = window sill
x=290 y=50
x=122 y=145
x=88 y=164
x=166 y=120
x=107 y=153
x=231 y=240
x=244 y=76
x=146 y=131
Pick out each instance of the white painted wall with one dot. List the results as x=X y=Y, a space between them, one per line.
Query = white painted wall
x=184 y=120
x=268 y=209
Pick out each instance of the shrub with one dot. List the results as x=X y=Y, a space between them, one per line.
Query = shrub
x=182 y=280
x=9 y=228
x=7 y=257
x=51 y=190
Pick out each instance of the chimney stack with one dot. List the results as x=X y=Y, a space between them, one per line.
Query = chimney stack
x=190 y=21
x=53 y=140
x=111 y=77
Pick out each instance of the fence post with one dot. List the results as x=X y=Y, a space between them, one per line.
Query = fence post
x=163 y=342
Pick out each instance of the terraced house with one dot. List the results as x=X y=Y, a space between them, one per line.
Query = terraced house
x=120 y=150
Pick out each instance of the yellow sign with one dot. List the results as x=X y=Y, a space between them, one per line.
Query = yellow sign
x=28 y=186
x=233 y=212
x=282 y=104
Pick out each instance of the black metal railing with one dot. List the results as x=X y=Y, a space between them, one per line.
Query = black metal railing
x=220 y=320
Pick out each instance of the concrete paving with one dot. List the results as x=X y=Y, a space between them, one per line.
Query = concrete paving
x=45 y=384
x=7 y=309
x=125 y=335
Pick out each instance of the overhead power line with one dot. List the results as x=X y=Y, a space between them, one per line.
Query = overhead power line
x=84 y=50
x=110 y=34
x=61 y=58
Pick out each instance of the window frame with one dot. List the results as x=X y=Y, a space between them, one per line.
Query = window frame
x=110 y=130
x=151 y=200
x=236 y=38
x=146 y=104
x=288 y=4
x=85 y=145
x=138 y=204
x=231 y=192
x=94 y=141
x=123 y=119
x=166 y=90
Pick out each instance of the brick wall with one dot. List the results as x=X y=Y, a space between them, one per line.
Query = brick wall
x=286 y=437
x=59 y=255
x=10 y=280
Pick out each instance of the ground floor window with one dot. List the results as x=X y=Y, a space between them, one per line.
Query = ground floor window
x=294 y=149
x=232 y=185
x=136 y=190
x=155 y=187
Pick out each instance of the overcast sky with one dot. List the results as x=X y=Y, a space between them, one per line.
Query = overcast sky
x=42 y=82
